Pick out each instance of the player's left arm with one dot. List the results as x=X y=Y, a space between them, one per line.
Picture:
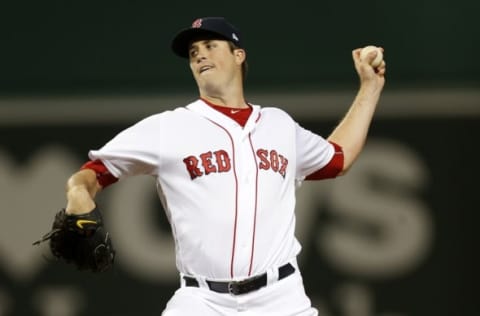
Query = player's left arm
x=351 y=133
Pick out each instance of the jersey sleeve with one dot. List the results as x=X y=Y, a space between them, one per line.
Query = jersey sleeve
x=313 y=154
x=133 y=151
x=332 y=168
x=104 y=177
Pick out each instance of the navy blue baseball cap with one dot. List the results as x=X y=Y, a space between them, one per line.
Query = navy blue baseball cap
x=208 y=27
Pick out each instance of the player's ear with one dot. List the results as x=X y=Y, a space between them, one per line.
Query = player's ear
x=240 y=55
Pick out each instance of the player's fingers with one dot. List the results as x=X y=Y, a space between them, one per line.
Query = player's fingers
x=356 y=59
x=382 y=69
x=356 y=53
x=382 y=65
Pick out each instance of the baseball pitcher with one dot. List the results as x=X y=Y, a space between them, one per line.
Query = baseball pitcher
x=226 y=172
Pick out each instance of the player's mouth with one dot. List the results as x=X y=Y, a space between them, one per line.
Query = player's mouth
x=205 y=68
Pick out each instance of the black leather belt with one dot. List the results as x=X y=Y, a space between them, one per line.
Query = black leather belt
x=243 y=286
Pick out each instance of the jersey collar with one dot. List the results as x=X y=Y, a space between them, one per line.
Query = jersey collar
x=205 y=110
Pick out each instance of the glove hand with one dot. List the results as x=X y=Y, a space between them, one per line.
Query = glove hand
x=81 y=240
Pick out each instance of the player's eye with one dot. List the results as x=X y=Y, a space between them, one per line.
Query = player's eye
x=193 y=53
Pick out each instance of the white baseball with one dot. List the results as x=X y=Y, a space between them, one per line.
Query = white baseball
x=378 y=59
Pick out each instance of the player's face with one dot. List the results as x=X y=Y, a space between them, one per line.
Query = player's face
x=213 y=63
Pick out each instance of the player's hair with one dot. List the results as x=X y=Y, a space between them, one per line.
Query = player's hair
x=244 y=64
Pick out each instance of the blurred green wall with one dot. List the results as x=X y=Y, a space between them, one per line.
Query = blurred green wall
x=123 y=46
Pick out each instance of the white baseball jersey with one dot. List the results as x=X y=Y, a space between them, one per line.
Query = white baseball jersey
x=228 y=190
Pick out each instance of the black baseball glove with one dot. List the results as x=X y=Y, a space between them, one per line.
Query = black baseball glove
x=81 y=240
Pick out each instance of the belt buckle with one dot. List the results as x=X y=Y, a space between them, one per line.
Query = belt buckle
x=242 y=286
x=233 y=287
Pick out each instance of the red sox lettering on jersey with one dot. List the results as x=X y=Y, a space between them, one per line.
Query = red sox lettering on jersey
x=219 y=161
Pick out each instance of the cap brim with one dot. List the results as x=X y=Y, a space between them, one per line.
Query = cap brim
x=181 y=41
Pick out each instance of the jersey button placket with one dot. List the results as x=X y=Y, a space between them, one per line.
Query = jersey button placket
x=248 y=205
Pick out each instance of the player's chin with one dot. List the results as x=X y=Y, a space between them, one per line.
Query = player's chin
x=203 y=78
x=208 y=77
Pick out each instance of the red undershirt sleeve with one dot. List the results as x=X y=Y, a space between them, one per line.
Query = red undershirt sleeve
x=332 y=169
x=104 y=177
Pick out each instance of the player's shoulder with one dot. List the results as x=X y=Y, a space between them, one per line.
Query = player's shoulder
x=176 y=112
x=159 y=122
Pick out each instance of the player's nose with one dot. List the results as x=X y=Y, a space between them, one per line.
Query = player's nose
x=199 y=58
x=201 y=54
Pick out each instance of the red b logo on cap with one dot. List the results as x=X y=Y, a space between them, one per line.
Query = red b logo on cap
x=197 y=23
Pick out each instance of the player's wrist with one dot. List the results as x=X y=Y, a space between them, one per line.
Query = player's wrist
x=371 y=88
x=78 y=207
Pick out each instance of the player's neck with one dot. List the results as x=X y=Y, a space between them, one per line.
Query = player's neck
x=232 y=97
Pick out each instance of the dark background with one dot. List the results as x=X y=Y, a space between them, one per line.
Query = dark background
x=91 y=46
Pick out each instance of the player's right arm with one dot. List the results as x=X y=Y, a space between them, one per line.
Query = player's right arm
x=351 y=133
